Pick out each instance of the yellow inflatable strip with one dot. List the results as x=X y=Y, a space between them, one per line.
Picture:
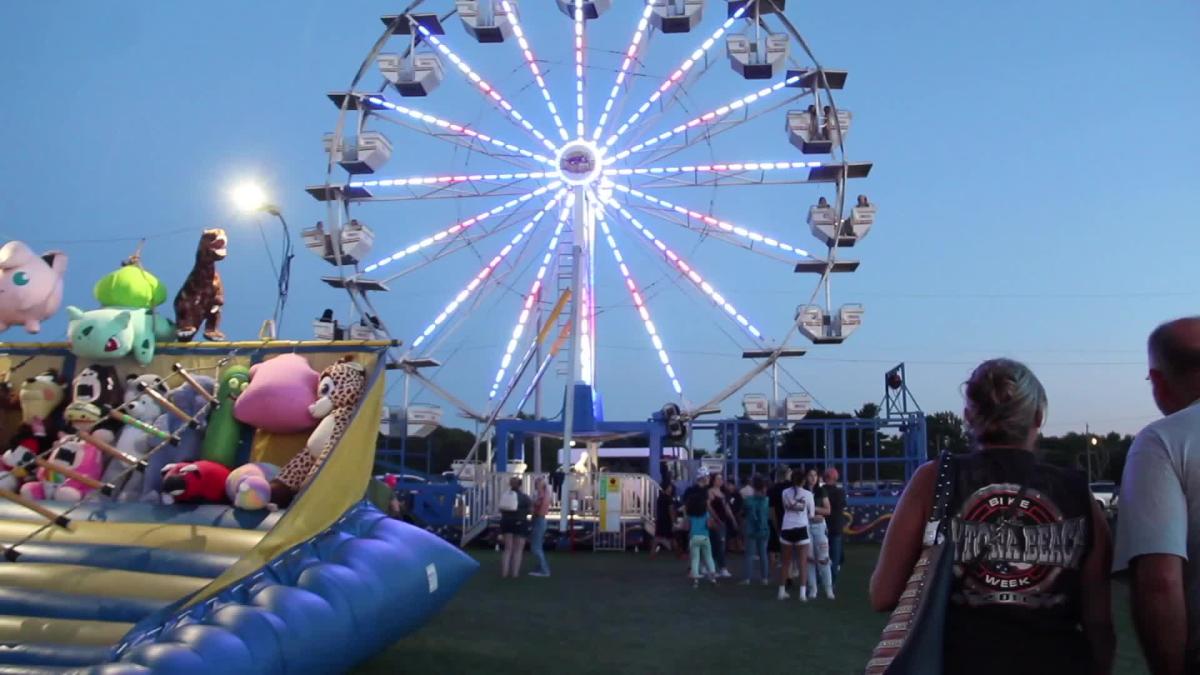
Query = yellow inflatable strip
x=105 y=583
x=194 y=538
x=32 y=630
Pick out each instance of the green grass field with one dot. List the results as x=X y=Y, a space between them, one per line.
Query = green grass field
x=626 y=613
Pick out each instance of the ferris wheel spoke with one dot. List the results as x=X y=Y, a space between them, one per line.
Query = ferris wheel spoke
x=712 y=225
x=437 y=127
x=530 y=298
x=486 y=271
x=707 y=118
x=629 y=56
x=532 y=62
x=676 y=76
x=460 y=227
x=639 y=304
x=489 y=92
x=450 y=186
x=674 y=260
x=715 y=174
x=580 y=73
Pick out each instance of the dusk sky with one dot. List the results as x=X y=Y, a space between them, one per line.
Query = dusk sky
x=1033 y=166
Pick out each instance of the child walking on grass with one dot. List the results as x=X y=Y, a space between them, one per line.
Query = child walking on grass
x=699 y=543
x=757 y=529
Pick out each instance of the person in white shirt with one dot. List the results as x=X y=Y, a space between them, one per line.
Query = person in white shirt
x=798 y=508
x=1158 y=538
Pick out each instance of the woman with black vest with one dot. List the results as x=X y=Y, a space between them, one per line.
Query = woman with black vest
x=1031 y=550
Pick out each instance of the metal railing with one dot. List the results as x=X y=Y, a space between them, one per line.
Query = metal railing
x=480 y=500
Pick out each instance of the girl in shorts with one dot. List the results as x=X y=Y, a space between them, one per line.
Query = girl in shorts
x=798 y=509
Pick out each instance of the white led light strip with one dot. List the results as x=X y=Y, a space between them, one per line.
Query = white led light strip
x=531 y=60
x=630 y=53
x=676 y=76
x=725 y=226
x=461 y=226
x=414 y=181
x=640 y=304
x=456 y=128
x=690 y=272
x=579 y=80
x=484 y=86
x=706 y=118
x=484 y=273
x=530 y=298
x=730 y=167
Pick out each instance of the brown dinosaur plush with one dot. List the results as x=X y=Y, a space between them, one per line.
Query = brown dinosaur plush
x=200 y=299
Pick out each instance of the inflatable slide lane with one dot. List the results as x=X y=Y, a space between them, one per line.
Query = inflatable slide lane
x=142 y=575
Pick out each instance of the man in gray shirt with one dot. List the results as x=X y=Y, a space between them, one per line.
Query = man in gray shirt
x=1158 y=533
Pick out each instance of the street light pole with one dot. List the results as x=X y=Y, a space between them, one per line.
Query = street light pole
x=285 y=267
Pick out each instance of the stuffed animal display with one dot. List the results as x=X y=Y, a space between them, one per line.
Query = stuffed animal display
x=249 y=486
x=136 y=440
x=94 y=392
x=202 y=296
x=194 y=482
x=339 y=391
x=43 y=398
x=31 y=286
x=187 y=449
x=110 y=333
x=281 y=391
x=71 y=452
x=131 y=286
x=224 y=431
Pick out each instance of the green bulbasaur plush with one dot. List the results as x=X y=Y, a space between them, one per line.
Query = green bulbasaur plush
x=131 y=286
x=224 y=432
x=111 y=333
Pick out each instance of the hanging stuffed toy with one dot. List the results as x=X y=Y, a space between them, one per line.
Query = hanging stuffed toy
x=31 y=286
x=200 y=299
x=224 y=431
x=194 y=404
x=340 y=388
x=249 y=486
x=194 y=482
x=145 y=428
x=281 y=392
x=43 y=398
x=70 y=451
x=94 y=392
x=126 y=323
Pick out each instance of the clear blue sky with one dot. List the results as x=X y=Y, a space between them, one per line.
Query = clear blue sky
x=1034 y=170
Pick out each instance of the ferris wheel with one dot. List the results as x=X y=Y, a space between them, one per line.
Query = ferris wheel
x=574 y=165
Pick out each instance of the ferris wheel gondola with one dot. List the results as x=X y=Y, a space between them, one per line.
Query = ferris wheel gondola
x=580 y=179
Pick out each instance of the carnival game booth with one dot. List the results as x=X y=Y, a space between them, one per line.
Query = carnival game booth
x=179 y=556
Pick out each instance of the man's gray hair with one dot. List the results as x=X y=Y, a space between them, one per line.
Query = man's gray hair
x=1177 y=358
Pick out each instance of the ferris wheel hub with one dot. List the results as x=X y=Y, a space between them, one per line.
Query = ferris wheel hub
x=579 y=162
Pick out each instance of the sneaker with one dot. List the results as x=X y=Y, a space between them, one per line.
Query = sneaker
x=724 y=573
x=783 y=594
x=802 y=595
x=539 y=574
x=744 y=582
x=712 y=579
x=766 y=582
x=829 y=594
x=812 y=594
x=695 y=583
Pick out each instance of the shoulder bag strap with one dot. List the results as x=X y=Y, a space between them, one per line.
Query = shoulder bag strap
x=943 y=490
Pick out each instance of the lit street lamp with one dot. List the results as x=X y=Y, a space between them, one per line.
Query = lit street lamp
x=250 y=198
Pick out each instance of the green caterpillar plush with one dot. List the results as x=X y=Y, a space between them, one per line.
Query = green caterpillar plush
x=224 y=432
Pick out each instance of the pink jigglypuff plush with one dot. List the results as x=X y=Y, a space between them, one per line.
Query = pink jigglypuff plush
x=279 y=395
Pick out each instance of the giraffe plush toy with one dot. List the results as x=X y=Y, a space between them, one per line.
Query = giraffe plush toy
x=338 y=392
x=200 y=300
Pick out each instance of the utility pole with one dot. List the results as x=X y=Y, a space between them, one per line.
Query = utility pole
x=1089 y=441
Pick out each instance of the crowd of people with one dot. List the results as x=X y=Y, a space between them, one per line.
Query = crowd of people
x=790 y=529
x=1032 y=553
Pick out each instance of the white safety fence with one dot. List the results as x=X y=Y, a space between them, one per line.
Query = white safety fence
x=480 y=499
